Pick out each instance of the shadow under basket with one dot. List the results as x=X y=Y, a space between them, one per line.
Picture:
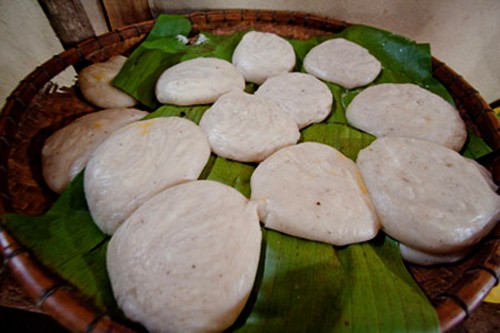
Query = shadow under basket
x=26 y=120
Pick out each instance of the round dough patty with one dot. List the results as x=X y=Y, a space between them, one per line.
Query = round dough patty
x=342 y=62
x=95 y=84
x=186 y=260
x=427 y=196
x=428 y=259
x=198 y=81
x=138 y=161
x=407 y=110
x=260 y=55
x=311 y=190
x=302 y=96
x=66 y=152
x=247 y=128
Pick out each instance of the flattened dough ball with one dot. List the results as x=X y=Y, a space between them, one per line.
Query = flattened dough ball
x=95 y=84
x=186 y=260
x=260 y=55
x=247 y=128
x=198 y=81
x=66 y=152
x=311 y=190
x=407 y=110
x=302 y=96
x=428 y=259
x=342 y=62
x=138 y=161
x=427 y=196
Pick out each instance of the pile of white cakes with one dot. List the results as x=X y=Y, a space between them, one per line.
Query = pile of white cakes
x=184 y=252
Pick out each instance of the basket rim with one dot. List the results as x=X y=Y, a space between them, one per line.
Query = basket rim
x=52 y=296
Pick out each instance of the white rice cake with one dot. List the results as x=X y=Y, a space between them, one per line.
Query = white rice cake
x=138 y=161
x=302 y=96
x=198 y=81
x=342 y=62
x=407 y=110
x=66 y=152
x=96 y=84
x=428 y=259
x=186 y=260
x=247 y=128
x=427 y=196
x=260 y=55
x=312 y=191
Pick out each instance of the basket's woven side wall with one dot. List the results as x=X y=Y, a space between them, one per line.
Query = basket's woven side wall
x=454 y=290
x=478 y=113
x=59 y=300
x=20 y=124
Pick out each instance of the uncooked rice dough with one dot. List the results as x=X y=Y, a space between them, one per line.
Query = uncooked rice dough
x=407 y=110
x=427 y=259
x=302 y=96
x=427 y=196
x=342 y=62
x=96 y=84
x=247 y=128
x=260 y=55
x=138 y=161
x=313 y=191
x=186 y=260
x=198 y=81
x=66 y=152
x=486 y=174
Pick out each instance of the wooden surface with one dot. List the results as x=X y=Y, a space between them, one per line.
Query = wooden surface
x=124 y=12
x=69 y=20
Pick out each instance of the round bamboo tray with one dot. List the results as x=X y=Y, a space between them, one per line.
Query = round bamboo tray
x=30 y=115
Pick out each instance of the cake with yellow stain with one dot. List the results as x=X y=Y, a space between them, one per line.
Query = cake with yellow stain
x=95 y=82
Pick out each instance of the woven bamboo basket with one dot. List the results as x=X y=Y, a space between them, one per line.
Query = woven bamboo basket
x=35 y=110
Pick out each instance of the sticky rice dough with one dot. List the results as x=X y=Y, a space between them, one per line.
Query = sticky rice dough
x=138 y=161
x=260 y=55
x=407 y=110
x=247 y=128
x=342 y=62
x=186 y=260
x=198 y=81
x=313 y=191
x=427 y=196
x=428 y=259
x=302 y=96
x=66 y=151
x=95 y=84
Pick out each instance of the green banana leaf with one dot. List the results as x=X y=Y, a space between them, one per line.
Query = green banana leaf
x=67 y=241
x=301 y=285
x=162 y=49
